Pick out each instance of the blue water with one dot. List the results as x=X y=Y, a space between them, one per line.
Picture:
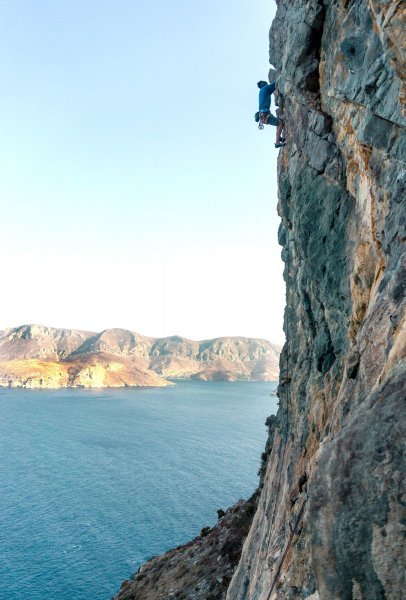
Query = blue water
x=95 y=482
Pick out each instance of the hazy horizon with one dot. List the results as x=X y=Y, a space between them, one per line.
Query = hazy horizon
x=137 y=190
x=142 y=333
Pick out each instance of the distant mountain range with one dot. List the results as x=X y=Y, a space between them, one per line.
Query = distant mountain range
x=35 y=356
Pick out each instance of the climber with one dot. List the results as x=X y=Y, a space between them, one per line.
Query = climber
x=264 y=115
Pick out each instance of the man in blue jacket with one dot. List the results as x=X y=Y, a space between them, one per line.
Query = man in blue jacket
x=264 y=115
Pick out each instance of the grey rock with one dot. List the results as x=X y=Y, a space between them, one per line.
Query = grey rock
x=331 y=512
x=342 y=370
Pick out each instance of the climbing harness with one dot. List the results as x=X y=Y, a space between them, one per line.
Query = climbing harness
x=267 y=118
x=263 y=119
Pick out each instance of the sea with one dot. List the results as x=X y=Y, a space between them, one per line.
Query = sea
x=95 y=482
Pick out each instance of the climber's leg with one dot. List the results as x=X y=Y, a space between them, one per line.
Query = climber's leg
x=279 y=129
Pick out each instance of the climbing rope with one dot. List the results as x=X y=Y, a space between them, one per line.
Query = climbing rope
x=293 y=532
x=288 y=382
x=292 y=535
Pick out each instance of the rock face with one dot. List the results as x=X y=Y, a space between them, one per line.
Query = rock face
x=38 y=357
x=39 y=342
x=199 y=570
x=329 y=521
x=330 y=516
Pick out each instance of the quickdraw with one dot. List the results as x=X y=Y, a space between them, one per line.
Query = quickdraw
x=263 y=119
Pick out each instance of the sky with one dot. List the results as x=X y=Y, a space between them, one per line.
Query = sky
x=136 y=190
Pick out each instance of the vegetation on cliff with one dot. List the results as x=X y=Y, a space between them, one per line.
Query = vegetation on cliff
x=199 y=570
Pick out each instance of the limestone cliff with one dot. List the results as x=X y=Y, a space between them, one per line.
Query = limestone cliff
x=329 y=520
x=45 y=357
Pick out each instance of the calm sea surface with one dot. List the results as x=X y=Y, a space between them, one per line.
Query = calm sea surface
x=92 y=483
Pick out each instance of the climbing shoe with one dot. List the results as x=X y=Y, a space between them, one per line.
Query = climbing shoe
x=280 y=145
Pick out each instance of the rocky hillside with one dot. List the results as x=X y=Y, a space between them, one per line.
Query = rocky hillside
x=330 y=516
x=38 y=356
x=92 y=370
x=189 y=571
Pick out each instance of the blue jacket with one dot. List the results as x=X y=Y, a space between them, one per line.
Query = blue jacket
x=265 y=97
